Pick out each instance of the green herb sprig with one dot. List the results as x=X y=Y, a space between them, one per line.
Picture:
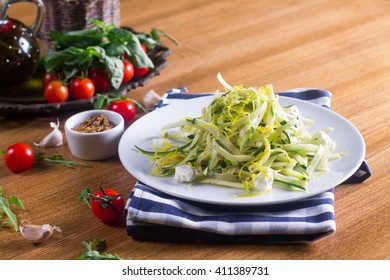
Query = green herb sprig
x=7 y=216
x=59 y=159
x=56 y=159
x=93 y=248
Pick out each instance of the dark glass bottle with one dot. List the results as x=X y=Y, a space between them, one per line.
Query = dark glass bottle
x=19 y=53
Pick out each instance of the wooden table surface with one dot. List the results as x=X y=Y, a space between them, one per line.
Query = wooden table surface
x=340 y=46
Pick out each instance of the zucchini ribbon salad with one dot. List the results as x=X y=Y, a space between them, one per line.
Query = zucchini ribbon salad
x=244 y=139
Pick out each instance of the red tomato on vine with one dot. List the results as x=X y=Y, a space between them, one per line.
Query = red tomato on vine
x=106 y=205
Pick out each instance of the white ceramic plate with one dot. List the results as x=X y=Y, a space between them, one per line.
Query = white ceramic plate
x=146 y=129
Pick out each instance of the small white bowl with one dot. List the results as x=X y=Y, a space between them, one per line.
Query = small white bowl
x=97 y=145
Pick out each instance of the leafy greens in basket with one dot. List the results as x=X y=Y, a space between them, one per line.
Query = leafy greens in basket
x=244 y=139
x=76 y=51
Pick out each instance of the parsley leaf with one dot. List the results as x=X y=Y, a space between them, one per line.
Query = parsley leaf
x=93 y=248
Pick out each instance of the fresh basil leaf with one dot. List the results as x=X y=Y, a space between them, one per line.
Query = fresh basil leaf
x=85 y=60
x=115 y=49
x=98 y=23
x=149 y=40
x=114 y=66
x=80 y=38
x=119 y=35
x=99 y=102
x=146 y=40
x=69 y=72
x=132 y=45
x=59 y=58
x=138 y=57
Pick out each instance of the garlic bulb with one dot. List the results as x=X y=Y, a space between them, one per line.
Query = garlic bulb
x=36 y=233
x=150 y=100
x=53 y=139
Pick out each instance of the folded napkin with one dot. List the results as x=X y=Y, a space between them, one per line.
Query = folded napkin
x=155 y=215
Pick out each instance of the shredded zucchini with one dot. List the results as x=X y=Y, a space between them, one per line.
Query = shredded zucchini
x=244 y=139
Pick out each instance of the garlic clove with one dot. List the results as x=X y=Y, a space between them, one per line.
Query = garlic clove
x=151 y=99
x=54 y=138
x=37 y=233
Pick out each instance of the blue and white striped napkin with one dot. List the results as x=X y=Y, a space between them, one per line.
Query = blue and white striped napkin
x=155 y=215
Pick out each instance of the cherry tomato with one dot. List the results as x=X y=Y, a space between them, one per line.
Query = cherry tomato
x=125 y=108
x=81 y=88
x=99 y=78
x=140 y=72
x=19 y=157
x=128 y=71
x=48 y=77
x=107 y=205
x=143 y=48
x=56 y=92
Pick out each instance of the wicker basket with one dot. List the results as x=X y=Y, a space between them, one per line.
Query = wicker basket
x=69 y=15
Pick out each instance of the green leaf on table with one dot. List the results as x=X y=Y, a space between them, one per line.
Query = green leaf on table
x=95 y=255
x=93 y=248
x=96 y=244
x=6 y=209
x=15 y=200
x=84 y=196
x=59 y=159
